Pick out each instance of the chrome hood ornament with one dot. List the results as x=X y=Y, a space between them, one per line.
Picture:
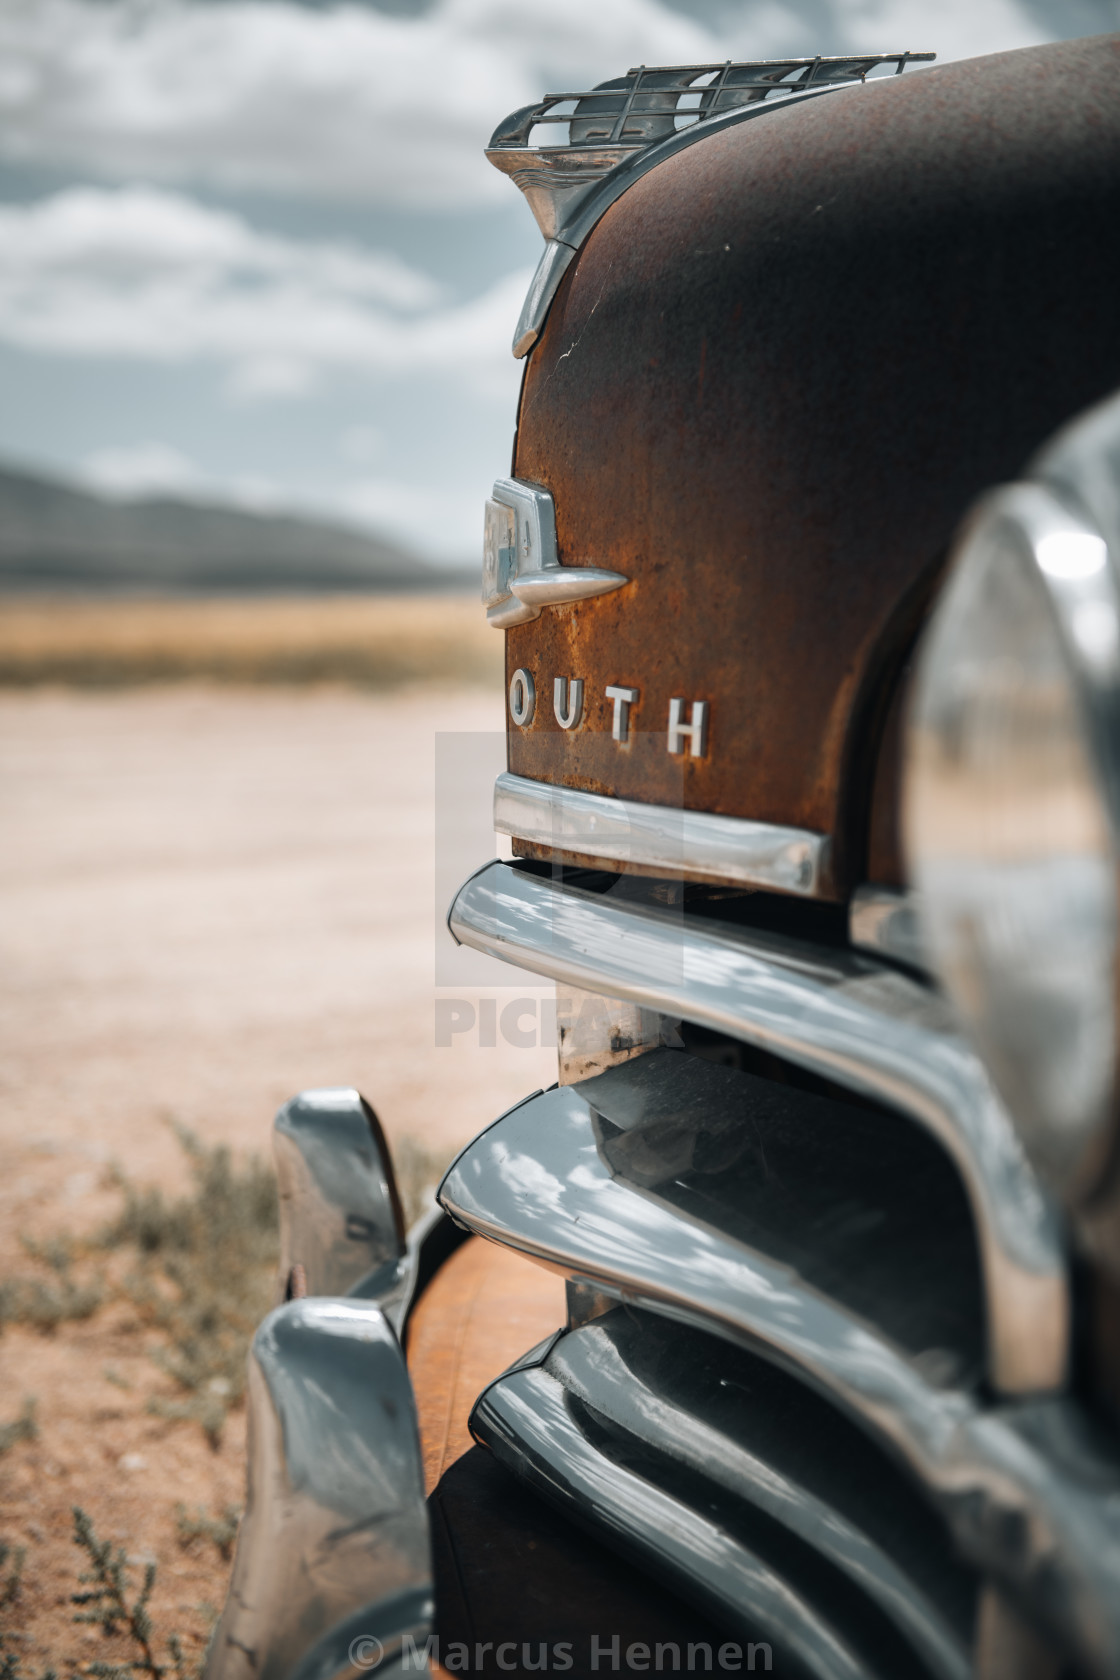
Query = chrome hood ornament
x=613 y=120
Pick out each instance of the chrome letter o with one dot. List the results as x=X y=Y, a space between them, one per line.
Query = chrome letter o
x=522 y=698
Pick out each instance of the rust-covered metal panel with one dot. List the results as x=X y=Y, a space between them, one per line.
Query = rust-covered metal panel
x=783 y=365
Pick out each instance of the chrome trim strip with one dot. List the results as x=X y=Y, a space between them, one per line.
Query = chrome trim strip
x=555 y=261
x=677 y=1397
x=528 y=1426
x=887 y=922
x=874 y=1031
x=334 y=1544
x=691 y=844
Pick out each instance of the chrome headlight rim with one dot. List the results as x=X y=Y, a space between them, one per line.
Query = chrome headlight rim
x=1077 y=576
x=1086 y=614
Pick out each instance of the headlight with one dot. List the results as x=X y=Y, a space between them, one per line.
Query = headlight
x=1010 y=817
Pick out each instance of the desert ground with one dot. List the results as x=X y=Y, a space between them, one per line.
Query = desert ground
x=211 y=897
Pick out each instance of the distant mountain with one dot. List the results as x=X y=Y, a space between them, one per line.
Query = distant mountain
x=54 y=538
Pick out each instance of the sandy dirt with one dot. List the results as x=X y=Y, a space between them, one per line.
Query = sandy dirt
x=209 y=899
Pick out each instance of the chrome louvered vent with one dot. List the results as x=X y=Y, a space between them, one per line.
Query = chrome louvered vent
x=652 y=101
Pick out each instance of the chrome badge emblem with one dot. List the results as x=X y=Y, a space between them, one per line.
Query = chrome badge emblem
x=521 y=571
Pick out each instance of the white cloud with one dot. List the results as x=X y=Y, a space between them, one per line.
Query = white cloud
x=345 y=101
x=152 y=468
x=144 y=234
x=952 y=28
x=149 y=275
x=362 y=444
x=142 y=469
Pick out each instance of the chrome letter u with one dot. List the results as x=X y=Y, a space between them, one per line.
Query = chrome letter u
x=568 y=711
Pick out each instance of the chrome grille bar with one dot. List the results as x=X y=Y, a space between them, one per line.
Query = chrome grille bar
x=871 y=1029
x=678 y=1397
x=525 y=1422
x=596 y=1181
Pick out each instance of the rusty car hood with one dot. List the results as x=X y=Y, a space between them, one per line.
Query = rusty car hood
x=781 y=367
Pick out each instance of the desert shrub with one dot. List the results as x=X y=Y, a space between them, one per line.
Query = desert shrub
x=108 y=1602
x=220 y=1531
x=46 y=1302
x=199 y=1267
x=22 y=1428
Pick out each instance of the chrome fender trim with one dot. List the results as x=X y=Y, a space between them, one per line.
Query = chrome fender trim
x=340 y=1213
x=870 y=1028
x=334 y=1546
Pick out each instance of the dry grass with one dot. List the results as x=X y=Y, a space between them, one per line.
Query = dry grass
x=198 y=1269
x=366 y=641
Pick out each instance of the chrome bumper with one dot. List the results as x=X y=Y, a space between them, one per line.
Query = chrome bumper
x=341 y=1222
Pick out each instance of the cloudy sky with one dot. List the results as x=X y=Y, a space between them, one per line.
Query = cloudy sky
x=250 y=249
